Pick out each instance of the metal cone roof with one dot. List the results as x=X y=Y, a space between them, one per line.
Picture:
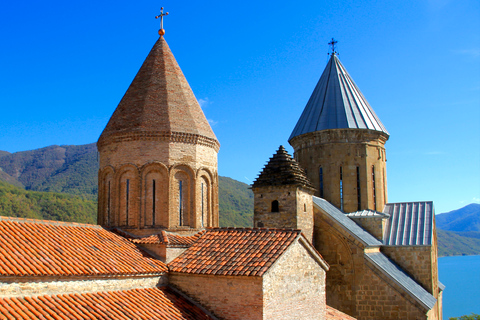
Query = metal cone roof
x=336 y=103
x=159 y=100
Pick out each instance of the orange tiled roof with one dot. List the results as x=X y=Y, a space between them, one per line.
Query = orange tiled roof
x=48 y=248
x=151 y=303
x=163 y=237
x=234 y=251
x=334 y=314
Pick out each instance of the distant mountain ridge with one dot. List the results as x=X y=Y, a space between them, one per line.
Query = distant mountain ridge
x=463 y=219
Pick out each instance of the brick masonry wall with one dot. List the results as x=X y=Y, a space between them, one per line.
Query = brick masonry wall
x=294 y=288
x=295 y=208
x=353 y=285
x=348 y=148
x=142 y=161
x=36 y=286
x=375 y=226
x=227 y=297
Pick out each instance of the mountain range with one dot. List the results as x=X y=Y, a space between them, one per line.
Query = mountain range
x=60 y=183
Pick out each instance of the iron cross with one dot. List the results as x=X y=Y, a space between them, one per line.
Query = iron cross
x=333 y=43
x=161 y=15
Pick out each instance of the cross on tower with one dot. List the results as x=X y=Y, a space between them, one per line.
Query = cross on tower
x=333 y=43
x=161 y=15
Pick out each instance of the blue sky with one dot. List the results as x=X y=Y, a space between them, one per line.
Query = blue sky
x=65 y=65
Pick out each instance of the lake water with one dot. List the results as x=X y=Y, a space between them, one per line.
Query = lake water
x=461 y=276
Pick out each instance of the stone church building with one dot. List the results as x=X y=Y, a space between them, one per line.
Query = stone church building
x=325 y=243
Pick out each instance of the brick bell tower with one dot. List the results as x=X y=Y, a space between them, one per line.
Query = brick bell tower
x=340 y=142
x=283 y=195
x=158 y=154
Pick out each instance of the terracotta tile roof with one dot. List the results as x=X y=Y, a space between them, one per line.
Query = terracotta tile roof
x=151 y=303
x=49 y=248
x=235 y=251
x=334 y=314
x=282 y=169
x=164 y=237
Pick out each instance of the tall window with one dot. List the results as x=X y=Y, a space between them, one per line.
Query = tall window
x=154 y=200
x=203 y=202
x=109 y=202
x=127 y=199
x=320 y=176
x=180 y=202
x=275 y=206
x=341 y=188
x=384 y=188
x=359 y=198
x=373 y=189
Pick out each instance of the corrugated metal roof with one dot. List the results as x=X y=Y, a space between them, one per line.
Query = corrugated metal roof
x=365 y=237
x=337 y=103
x=367 y=213
x=410 y=224
x=441 y=286
x=396 y=274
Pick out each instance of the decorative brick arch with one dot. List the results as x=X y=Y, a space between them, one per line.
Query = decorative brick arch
x=154 y=197
x=182 y=199
x=205 y=197
x=106 y=195
x=128 y=195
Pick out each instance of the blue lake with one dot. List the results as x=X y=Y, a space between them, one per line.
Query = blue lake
x=461 y=276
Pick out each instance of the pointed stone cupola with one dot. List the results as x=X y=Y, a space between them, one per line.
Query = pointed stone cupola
x=340 y=142
x=158 y=154
x=283 y=195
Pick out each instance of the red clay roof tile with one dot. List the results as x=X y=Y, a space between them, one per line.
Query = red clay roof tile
x=151 y=303
x=234 y=251
x=40 y=248
x=164 y=237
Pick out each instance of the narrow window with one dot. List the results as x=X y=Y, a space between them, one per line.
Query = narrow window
x=202 y=203
x=321 y=181
x=384 y=188
x=359 y=198
x=341 y=189
x=127 y=195
x=304 y=207
x=275 y=206
x=154 y=200
x=108 y=204
x=180 y=202
x=373 y=189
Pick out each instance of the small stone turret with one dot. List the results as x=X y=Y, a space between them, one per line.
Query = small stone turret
x=283 y=195
x=158 y=154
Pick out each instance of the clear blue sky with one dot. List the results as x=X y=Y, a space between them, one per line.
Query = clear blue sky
x=65 y=65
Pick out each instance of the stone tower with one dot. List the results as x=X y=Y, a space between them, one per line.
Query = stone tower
x=340 y=142
x=283 y=196
x=158 y=154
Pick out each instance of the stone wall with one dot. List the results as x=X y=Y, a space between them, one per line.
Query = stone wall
x=356 y=287
x=348 y=149
x=294 y=288
x=227 y=297
x=139 y=185
x=37 y=286
x=374 y=225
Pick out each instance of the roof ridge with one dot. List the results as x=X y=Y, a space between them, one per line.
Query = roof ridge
x=253 y=229
x=50 y=222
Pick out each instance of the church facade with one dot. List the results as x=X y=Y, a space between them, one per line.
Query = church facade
x=325 y=243
x=382 y=256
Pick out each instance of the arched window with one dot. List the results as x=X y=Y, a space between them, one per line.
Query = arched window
x=275 y=206
x=373 y=189
x=359 y=198
x=341 y=188
x=320 y=178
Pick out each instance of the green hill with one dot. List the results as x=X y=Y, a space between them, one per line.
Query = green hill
x=17 y=202
x=450 y=243
x=235 y=203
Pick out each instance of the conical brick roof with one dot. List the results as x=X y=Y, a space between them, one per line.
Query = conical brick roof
x=159 y=103
x=337 y=103
x=282 y=169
